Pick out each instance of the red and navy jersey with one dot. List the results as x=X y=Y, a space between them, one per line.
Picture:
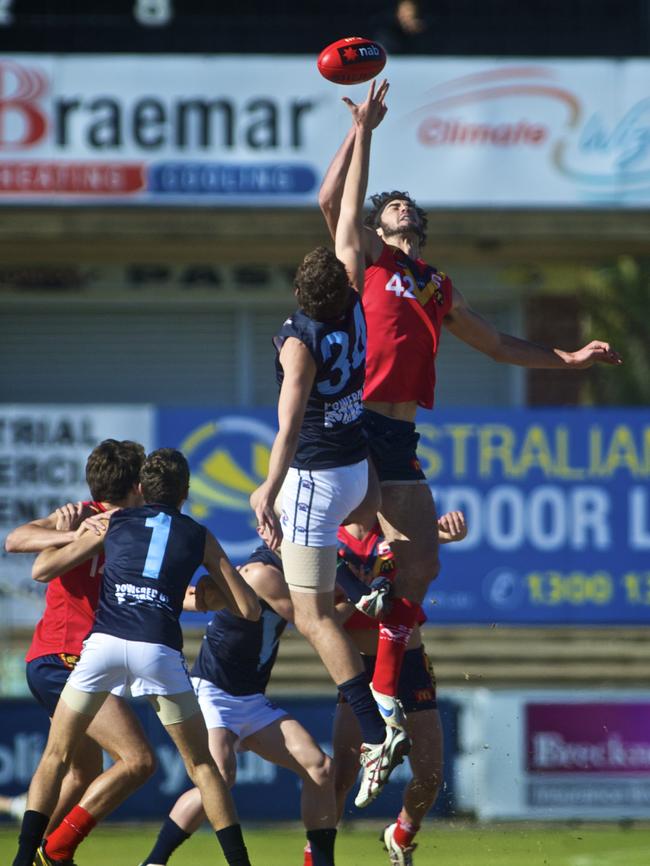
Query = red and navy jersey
x=238 y=655
x=404 y=301
x=372 y=556
x=150 y=555
x=331 y=433
x=70 y=604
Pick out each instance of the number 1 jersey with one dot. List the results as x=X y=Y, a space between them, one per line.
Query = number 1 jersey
x=150 y=554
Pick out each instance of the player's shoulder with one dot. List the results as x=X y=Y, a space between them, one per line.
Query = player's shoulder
x=265 y=556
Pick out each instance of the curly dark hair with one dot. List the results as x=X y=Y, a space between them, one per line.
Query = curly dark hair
x=113 y=468
x=165 y=477
x=323 y=285
x=379 y=202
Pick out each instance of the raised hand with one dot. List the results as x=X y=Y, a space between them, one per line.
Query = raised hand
x=452 y=526
x=372 y=111
x=268 y=525
x=69 y=516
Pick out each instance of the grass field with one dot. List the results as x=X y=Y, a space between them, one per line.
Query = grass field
x=441 y=844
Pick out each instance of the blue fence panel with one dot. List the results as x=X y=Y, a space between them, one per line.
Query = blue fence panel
x=557 y=503
x=263 y=792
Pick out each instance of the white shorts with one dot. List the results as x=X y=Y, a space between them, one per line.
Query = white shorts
x=316 y=501
x=242 y=714
x=109 y=662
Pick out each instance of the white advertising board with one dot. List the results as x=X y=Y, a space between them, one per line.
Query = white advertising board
x=250 y=130
x=43 y=451
x=554 y=754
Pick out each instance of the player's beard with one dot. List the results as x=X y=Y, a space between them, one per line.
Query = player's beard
x=411 y=230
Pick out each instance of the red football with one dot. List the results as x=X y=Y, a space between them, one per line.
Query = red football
x=351 y=60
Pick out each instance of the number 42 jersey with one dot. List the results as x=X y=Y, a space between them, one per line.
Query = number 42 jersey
x=332 y=433
x=150 y=554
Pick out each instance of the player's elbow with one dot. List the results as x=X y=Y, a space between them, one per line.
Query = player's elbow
x=12 y=544
x=40 y=572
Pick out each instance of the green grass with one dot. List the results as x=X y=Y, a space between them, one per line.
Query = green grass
x=440 y=844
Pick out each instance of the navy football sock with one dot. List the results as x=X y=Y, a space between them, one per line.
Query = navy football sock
x=353 y=587
x=357 y=693
x=232 y=844
x=322 y=846
x=32 y=829
x=169 y=838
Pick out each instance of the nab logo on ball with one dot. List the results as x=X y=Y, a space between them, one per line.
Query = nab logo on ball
x=228 y=458
x=351 y=60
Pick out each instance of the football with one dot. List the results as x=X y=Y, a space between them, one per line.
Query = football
x=351 y=60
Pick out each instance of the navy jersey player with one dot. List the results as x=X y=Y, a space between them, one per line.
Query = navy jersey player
x=150 y=553
x=230 y=677
x=319 y=457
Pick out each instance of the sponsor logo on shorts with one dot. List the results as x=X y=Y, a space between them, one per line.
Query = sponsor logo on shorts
x=69 y=660
x=422 y=695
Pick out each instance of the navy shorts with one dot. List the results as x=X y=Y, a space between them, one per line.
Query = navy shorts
x=46 y=677
x=417 y=684
x=392 y=444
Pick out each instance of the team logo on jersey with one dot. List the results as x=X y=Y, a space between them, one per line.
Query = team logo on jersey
x=229 y=458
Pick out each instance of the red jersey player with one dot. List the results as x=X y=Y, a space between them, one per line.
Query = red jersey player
x=112 y=473
x=406 y=303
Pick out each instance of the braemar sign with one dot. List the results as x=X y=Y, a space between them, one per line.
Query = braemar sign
x=262 y=130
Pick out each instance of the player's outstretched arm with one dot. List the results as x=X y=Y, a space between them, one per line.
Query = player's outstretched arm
x=331 y=191
x=473 y=329
x=451 y=527
x=57 y=560
x=349 y=235
x=55 y=530
x=240 y=598
x=299 y=374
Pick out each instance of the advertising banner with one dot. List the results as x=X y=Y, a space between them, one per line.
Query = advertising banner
x=43 y=452
x=555 y=755
x=263 y=791
x=251 y=130
x=557 y=504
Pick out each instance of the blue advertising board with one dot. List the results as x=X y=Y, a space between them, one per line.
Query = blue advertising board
x=557 y=503
x=263 y=792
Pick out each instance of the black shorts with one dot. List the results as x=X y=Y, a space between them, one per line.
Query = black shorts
x=392 y=444
x=46 y=677
x=417 y=683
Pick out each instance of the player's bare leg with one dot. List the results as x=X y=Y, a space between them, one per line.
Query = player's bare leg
x=191 y=739
x=68 y=726
x=383 y=748
x=409 y=523
x=188 y=814
x=314 y=619
x=422 y=790
x=287 y=744
x=86 y=765
x=346 y=742
x=117 y=730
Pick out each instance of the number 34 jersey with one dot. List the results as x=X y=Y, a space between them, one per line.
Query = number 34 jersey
x=331 y=433
x=150 y=554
